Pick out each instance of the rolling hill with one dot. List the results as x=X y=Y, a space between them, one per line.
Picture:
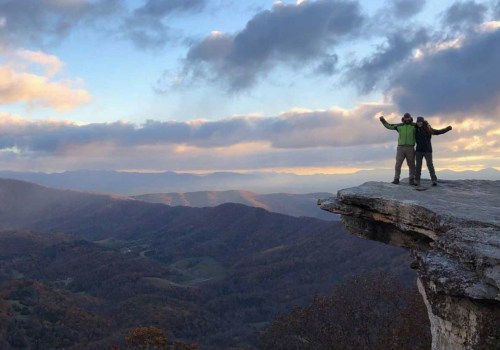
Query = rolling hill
x=73 y=260
x=285 y=203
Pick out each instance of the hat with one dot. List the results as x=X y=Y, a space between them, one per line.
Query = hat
x=420 y=119
x=407 y=115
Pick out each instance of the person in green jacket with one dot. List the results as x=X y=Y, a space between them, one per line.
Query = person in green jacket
x=406 y=146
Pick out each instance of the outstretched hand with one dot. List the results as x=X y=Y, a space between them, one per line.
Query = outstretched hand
x=449 y=127
x=382 y=118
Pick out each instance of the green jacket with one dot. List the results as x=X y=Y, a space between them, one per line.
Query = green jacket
x=406 y=132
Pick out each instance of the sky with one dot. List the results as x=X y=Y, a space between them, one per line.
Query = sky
x=231 y=85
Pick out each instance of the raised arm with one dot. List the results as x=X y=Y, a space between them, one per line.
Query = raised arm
x=440 y=131
x=387 y=125
x=443 y=131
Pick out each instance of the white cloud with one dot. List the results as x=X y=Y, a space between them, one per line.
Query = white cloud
x=21 y=81
x=458 y=76
x=489 y=26
x=298 y=139
x=289 y=33
x=39 y=91
x=51 y=63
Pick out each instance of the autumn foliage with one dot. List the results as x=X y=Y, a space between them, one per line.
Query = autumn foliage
x=153 y=338
x=372 y=311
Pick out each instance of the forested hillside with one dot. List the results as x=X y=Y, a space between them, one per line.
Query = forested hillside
x=80 y=270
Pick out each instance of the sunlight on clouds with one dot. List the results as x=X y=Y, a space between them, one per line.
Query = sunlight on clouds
x=495 y=132
x=489 y=26
x=472 y=143
x=237 y=149
x=300 y=141
x=477 y=143
x=455 y=43
x=7 y=119
x=52 y=64
x=36 y=90
x=27 y=77
x=185 y=149
x=476 y=162
x=216 y=34
x=300 y=110
x=433 y=48
x=14 y=150
x=471 y=124
x=279 y=3
x=197 y=121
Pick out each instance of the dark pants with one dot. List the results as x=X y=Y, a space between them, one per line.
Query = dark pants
x=428 y=161
x=408 y=153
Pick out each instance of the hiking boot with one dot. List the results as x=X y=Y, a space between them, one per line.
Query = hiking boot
x=395 y=182
x=416 y=183
x=434 y=183
x=412 y=182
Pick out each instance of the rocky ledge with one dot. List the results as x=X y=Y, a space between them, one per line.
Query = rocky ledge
x=453 y=232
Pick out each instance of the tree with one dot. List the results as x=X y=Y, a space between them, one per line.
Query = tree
x=153 y=338
x=367 y=312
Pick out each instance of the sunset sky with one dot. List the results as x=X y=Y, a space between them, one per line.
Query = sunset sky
x=237 y=85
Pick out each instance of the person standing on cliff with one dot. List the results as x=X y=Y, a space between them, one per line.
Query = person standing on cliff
x=406 y=145
x=423 y=134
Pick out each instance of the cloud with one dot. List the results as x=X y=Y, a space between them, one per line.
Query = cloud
x=398 y=49
x=328 y=66
x=462 y=78
x=146 y=33
x=404 y=9
x=145 y=27
x=291 y=130
x=47 y=22
x=29 y=77
x=298 y=138
x=36 y=90
x=464 y=14
x=44 y=22
x=292 y=34
x=52 y=64
x=161 y=8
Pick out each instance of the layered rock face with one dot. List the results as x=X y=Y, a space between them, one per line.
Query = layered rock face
x=453 y=232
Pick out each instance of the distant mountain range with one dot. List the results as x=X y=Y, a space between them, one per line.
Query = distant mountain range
x=130 y=183
x=79 y=269
x=290 y=204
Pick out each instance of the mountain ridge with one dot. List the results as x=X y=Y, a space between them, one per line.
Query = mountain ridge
x=130 y=183
x=297 y=205
x=205 y=274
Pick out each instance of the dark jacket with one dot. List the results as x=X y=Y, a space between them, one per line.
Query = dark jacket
x=423 y=137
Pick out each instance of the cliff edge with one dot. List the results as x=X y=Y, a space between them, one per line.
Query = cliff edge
x=453 y=232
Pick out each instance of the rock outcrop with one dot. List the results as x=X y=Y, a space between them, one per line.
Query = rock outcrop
x=453 y=232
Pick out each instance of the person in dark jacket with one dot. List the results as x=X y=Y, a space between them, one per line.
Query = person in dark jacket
x=406 y=145
x=423 y=135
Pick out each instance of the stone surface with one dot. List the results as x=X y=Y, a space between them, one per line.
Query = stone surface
x=453 y=232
